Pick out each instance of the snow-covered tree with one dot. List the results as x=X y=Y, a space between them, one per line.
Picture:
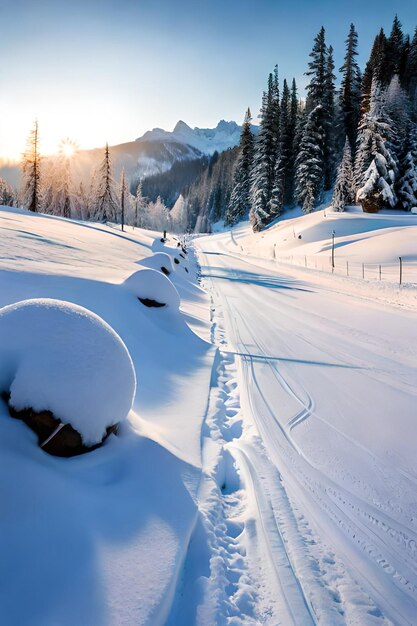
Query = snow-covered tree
x=263 y=172
x=316 y=155
x=31 y=170
x=240 y=199
x=407 y=185
x=397 y=108
x=374 y=69
x=375 y=166
x=8 y=195
x=344 y=190
x=310 y=161
x=106 y=206
x=179 y=215
x=410 y=74
x=350 y=89
x=283 y=180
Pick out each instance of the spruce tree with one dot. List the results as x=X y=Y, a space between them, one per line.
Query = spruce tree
x=124 y=198
x=263 y=173
x=282 y=189
x=106 y=206
x=31 y=170
x=407 y=186
x=394 y=51
x=375 y=167
x=310 y=161
x=316 y=156
x=344 y=190
x=374 y=69
x=410 y=74
x=398 y=109
x=350 y=89
x=240 y=198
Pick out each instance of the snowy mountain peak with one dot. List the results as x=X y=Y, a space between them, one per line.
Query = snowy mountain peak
x=181 y=126
x=207 y=140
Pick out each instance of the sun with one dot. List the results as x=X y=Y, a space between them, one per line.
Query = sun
x=67 y=148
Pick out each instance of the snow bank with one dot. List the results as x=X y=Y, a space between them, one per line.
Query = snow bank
x=173 y=248
x=59 y=357
x=161 y=262
x=153 y=287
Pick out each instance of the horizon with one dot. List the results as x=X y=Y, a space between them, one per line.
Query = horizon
x=73 y=53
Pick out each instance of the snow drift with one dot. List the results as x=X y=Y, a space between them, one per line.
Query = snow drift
x=59 y=357
x=153 y=288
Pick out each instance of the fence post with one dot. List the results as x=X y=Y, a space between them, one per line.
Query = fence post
x=363 y=270
x=305 y=260
x=379 y=272
x=401 y=270
x=347 y=268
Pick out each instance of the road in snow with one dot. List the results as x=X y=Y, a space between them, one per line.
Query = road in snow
x=326 y=456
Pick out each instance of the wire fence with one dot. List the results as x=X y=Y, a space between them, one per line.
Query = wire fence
x=399 y=272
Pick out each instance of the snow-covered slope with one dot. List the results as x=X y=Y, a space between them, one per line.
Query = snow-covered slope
x=206 y=140
x=100 y=539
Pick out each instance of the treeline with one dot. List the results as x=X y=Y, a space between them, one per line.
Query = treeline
x=360 y=139
x=47 y=187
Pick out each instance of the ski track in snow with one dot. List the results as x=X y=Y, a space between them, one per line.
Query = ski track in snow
x=323 y=540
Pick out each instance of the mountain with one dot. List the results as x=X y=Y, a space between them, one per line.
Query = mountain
x=205 y=140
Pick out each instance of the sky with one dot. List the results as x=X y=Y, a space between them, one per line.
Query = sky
x=100 y=71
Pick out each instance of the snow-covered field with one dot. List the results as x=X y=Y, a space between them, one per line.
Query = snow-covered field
x=269 y=481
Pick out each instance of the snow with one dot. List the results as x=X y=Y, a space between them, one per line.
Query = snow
x=148 y=284
x=57 y=356
x=266 y=471
x=101 y=538
x=317 y=390
x=159 y=261
x=206 y=140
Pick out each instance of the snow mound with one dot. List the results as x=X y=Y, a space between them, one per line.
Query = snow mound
x=173 y=248
x=153 y=288
x=161 y=262
x=57 y=356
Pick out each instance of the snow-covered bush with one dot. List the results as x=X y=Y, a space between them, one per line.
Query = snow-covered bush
x=59 y=357
x=161 y=261
x=153 y=289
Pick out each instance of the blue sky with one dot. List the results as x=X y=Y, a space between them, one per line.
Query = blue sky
x=100 y=71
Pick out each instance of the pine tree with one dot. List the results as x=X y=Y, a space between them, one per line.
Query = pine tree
x=407 y=186
x=374 y=69
x=263 y=172
x=350 y=89
x=329 y=150
x=282 y=189
x=106 y=208
x=316 y=156
x=31 y=169
x=240 y=199
x=344 y=190
x=375 y=167
x=394 y=52
x=398 y=109
x=139 y=207
x=8 y=195
x=410 y=74
x=310 y=161
x=124 y=198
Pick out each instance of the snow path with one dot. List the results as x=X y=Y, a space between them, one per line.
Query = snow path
x=326 y=456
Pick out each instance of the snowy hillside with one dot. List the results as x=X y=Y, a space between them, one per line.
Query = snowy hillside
x=206 y=140
x=104 y=533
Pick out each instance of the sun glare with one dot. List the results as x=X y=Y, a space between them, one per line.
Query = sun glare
x=67 y=148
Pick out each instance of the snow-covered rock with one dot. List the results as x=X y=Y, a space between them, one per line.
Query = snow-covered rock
x=153 y=288
x=59 y=357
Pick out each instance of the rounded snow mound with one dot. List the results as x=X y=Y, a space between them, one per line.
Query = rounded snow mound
x=159 y=261
x=153 y=289
x=57 y=356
